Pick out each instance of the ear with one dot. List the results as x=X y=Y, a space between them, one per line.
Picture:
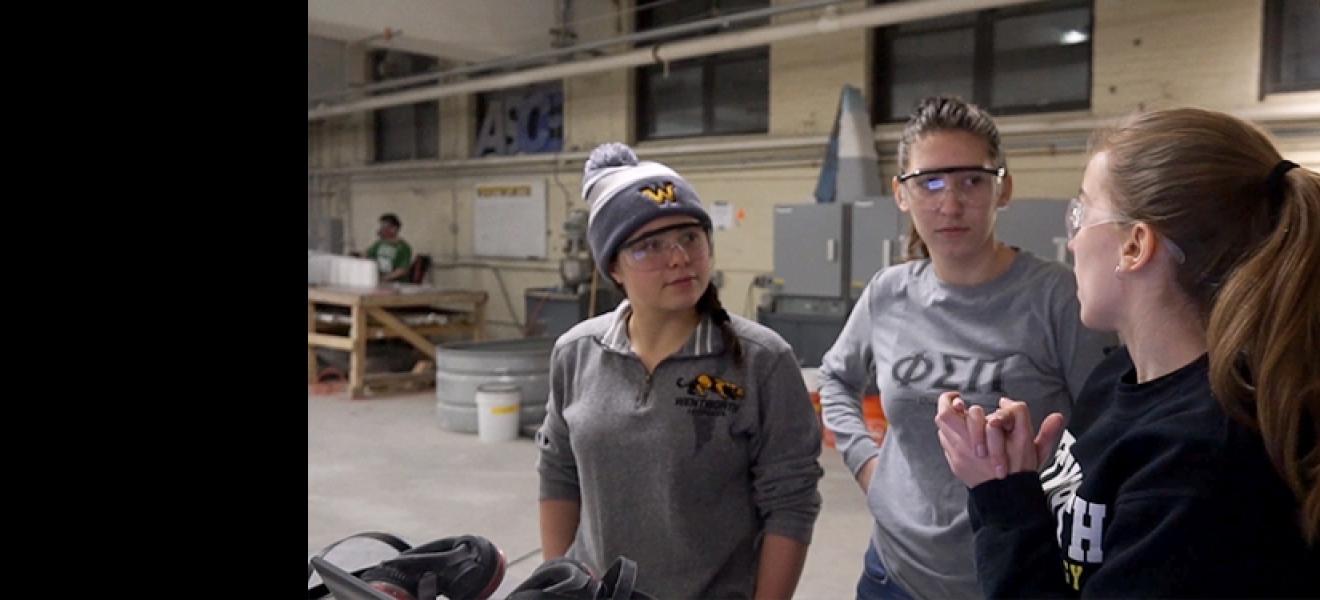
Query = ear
x=900 y=198
x=1005 y=192
x=1138 y=249
x=614 y=274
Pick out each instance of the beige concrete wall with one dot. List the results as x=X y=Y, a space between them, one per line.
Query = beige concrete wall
x=806 y=75
x=1175 y=52
x=1147 y=54
x=340 y=142
x=747 y=248
x=343 y=141
x=598 y=108
x=458 y=127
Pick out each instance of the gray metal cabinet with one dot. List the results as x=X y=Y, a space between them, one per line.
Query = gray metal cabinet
x=1035 y=225
x=873 y=243
x=809 y=245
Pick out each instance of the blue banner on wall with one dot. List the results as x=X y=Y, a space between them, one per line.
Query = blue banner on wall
x=526 y=120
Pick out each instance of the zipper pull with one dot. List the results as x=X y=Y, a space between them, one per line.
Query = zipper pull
x=646 y=388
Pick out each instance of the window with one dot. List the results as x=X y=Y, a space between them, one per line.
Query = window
x=720 y=94
x=1291 y=55
x=1035 y=58
x=411 y=131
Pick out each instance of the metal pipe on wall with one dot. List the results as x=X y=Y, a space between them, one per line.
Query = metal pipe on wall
x=527 y=160
x=632 y=38
x=887 y=14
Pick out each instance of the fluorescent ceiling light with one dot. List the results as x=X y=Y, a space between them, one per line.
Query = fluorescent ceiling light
x=1072 y=36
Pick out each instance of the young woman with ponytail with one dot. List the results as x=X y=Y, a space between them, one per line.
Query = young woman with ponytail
x=1191 y=467
x=675 y=434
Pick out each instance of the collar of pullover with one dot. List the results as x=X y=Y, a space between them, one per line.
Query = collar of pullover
x=704 y=341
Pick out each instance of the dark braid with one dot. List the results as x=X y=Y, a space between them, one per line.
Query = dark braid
x=710 y=304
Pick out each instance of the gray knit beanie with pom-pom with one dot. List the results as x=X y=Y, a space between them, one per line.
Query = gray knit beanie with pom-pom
x=625 y=194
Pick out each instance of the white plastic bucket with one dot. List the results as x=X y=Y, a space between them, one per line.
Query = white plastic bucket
x=498 y=406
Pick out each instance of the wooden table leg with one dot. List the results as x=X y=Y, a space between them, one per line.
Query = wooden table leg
x=311 y=351
x=357 y=359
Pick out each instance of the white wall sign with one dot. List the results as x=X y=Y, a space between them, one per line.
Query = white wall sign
x=509 y=219
x=721 y=215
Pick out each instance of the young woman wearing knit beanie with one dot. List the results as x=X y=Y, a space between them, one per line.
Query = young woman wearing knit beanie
x=676 y=434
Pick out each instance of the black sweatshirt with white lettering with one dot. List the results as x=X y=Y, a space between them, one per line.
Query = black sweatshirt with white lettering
x=1155 y=492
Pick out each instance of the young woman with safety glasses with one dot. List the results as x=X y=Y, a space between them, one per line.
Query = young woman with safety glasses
x=969 y=313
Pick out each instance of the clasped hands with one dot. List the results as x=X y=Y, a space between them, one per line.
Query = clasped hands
x=982 y=447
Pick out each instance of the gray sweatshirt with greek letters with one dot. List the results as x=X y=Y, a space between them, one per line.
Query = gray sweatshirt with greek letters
x=1018 y=335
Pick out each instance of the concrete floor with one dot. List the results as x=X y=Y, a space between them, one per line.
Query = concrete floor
x=385 y=464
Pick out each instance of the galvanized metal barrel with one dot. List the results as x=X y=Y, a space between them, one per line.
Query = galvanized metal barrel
x=462 y=367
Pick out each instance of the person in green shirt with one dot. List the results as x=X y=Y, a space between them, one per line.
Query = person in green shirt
x=391 y=253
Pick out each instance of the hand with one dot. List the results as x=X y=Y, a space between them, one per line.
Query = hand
x=1010 y=441
x=964 y=439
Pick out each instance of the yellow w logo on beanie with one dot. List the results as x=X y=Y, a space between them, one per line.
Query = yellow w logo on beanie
x=661 y=194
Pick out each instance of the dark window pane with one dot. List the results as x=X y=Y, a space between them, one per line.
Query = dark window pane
x=681 y=12
x=394 y=133
x=741 y=95
x=1299 y=46
x=1032 y=58
x=1042 y=60
x=716 y=94
x=930 y=63
x=674 y=13
x=427 y=116
x=405 y=132
x=958 y=21
x=674 y=102
x=729 y=7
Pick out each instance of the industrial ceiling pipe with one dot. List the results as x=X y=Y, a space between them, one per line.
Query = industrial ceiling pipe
x=632 y=38
x=878 y=16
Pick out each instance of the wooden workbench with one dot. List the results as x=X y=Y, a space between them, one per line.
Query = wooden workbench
x=371 y=318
